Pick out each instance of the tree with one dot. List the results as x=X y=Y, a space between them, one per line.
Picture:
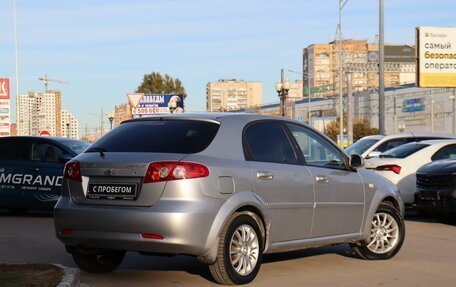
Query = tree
x=155 y=83
x=361 y=128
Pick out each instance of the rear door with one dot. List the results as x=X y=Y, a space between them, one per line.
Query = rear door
x=14 y=153
x=280 y=179
x=44 y=173
x=339 y=192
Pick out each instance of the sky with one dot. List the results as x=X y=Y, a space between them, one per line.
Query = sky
x=103 y=48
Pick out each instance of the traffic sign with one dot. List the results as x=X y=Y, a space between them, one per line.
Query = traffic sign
x=135 y=99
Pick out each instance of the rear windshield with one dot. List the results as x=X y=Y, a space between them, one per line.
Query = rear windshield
x=361 y=146
x=76 y=146
x=403 y=151
x=167 y=136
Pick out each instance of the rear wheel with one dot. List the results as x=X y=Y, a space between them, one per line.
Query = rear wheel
x=240 y=251
x=100 y=262
x=386 y=235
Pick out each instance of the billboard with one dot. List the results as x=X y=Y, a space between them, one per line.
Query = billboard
x=436 y=51
x=153 y=104
x=5 y=115
x=399 y=54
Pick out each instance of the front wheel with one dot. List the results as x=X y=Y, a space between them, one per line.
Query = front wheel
x=102 y=262
x=386 y=235
x=240 y=251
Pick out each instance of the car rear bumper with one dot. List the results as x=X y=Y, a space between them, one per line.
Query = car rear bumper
x=184 y=226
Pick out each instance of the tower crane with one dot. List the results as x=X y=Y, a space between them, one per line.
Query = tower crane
x=46 y=80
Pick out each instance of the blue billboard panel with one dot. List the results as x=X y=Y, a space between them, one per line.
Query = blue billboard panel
x=153 y=104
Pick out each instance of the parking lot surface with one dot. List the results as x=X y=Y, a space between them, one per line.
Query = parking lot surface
x=426 y=259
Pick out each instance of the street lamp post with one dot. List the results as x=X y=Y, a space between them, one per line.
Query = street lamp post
x=282 y=89
x=68 y=129
x=110 y=118
x=381 y=73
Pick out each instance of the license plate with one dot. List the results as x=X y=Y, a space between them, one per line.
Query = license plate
x=112 y=191
x=429 y=195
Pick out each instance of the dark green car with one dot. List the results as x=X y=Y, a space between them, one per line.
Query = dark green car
x=31 y=170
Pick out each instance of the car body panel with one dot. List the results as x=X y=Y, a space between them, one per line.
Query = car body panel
x=406 y=179
x=190 y=213
x=34 y=181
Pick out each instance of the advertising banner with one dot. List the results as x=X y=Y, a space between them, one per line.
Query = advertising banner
x=5 y=116
x=436 y=57
x=153 y=104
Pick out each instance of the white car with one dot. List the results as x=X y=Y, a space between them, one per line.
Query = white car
x=400 y=164
x=373 y=146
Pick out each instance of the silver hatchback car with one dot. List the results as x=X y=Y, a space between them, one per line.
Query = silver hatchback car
x=226 y=188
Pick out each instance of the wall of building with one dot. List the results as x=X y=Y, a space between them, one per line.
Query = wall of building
x=228 y=95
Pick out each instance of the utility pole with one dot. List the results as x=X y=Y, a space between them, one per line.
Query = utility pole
x=381 y=75
x=341 y=75
x=349 y=108
x=17 y=69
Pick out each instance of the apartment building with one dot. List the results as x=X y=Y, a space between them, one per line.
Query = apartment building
x=69 y=124
x=232 y=94
x=321 y=66
x=38 y=112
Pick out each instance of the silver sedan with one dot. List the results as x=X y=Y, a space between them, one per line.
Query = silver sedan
x=226 y=188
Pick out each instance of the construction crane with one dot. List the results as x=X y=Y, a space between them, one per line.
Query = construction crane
x=46 y=80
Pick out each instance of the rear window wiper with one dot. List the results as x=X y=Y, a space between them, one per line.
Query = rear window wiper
x=97 y=149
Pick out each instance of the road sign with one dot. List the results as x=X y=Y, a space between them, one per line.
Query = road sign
x=135 y=98
x=45 y=133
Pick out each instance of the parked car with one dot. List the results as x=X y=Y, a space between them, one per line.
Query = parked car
x=373 y=146
x=31 y=170
x=436 y=188
x=400 y=164
x=225 y=188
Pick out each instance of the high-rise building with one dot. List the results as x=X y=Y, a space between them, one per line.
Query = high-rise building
x=227 y=95
x=321 y=66
x=39 y=112
x=122 y=113
x=69 y=124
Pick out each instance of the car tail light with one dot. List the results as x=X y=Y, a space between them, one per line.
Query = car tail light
x=392 y=167
x=73 y=171
x=174 y=170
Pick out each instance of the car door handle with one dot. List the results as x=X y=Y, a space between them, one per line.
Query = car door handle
x=265 y=175
x=322 y=179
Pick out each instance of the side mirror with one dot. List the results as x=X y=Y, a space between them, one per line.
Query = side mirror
x=356 y=161
x=373 y=154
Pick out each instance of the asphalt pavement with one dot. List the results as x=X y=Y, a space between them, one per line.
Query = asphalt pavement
x=427 y=258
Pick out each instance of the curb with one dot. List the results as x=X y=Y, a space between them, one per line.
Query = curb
x=71 y=277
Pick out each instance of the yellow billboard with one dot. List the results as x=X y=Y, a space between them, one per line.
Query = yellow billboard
x=436 y=57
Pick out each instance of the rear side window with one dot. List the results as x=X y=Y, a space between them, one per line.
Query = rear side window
x=14 y=150
x=268 y=142
x=46 y=152
x=387 y=145
x=403 y=151
x=447 y=152
x=167 y=136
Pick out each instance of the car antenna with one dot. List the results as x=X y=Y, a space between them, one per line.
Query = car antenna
x=414 y=137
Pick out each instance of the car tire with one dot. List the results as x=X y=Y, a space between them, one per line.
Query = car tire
x=240 y=251
x=387 y=235
x=104 y=262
